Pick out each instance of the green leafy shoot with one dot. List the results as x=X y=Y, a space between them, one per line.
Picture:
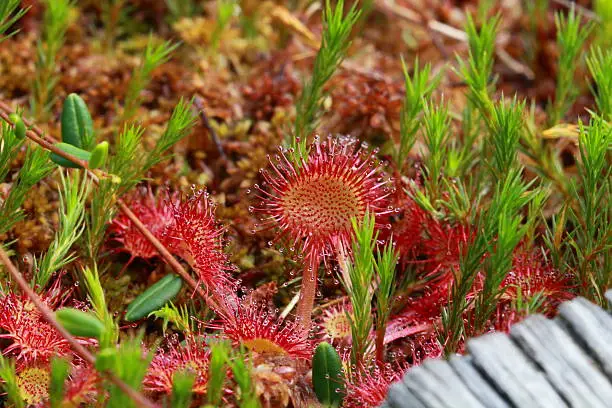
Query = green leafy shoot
x=178 y=316
x=419 y=88
x=437 y=129
x=35 y=168
x=130 y=365
x=72 y=200
x=9 y=15
x=10 y=384
x=591 y=241
x=506 y=222
x=180 y=9
x=95 y=295
x=603 y=9
x=182 y=384
x=219 y=354
x=9 y=144
x=509 y=197
x=181 y=123
x=571 y=36
x=360 y=275
x=55 y=23
x=477 y=71
x=507 y=123
x=114 y=16
x=125 y=165
x=337 y=29
x=385 y=264
x=154 y=56
x=242 y=375
x=225 y=11
x=600 y=66
x=60 y=368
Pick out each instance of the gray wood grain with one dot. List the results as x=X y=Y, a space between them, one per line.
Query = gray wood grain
x=436 y=377
x=571 y=371
x=400 y=397
x=476 y=383
x=541 y=363
x=512 y=373
x=587 y=330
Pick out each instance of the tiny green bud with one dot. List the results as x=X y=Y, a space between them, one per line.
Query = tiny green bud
x=99 y=155
x=80 y=323
x=20 y=128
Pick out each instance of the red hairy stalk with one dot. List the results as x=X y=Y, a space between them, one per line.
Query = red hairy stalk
x=78 y=348
x=312 y=204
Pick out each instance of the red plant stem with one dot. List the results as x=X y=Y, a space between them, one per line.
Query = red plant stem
x=81 y=351
x=37 y=135
x=380 y=344
x=307 y=296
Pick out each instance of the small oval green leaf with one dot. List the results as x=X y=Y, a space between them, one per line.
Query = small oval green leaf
x=70 y=149
x=99 y=155
x=327 y=377
x=80 y=323
x=20 y=127
x=77 y=125
x=154 y=297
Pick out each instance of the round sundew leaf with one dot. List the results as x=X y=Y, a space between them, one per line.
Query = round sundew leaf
x=154 y=297
x=77 y=125
x=70 y=149
x=327 y=377
x=80 y=323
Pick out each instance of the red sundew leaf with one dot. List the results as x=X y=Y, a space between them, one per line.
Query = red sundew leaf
x=312 y=205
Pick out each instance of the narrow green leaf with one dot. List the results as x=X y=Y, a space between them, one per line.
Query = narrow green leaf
x=60 y=368
x=80 y=323
x=327 y=376
x=73 y=150
x=154 y=297
x=182 y=383
x=77 y=125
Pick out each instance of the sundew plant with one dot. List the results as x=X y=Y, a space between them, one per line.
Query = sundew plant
x=242 y=203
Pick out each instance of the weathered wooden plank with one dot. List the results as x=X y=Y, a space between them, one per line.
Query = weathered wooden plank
x=401 y=397
x=567 y=367
x=422 y=384
x=436 y=377
x=604 y=318
x=588 y=331
x=512 y=373
x=477 y=384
